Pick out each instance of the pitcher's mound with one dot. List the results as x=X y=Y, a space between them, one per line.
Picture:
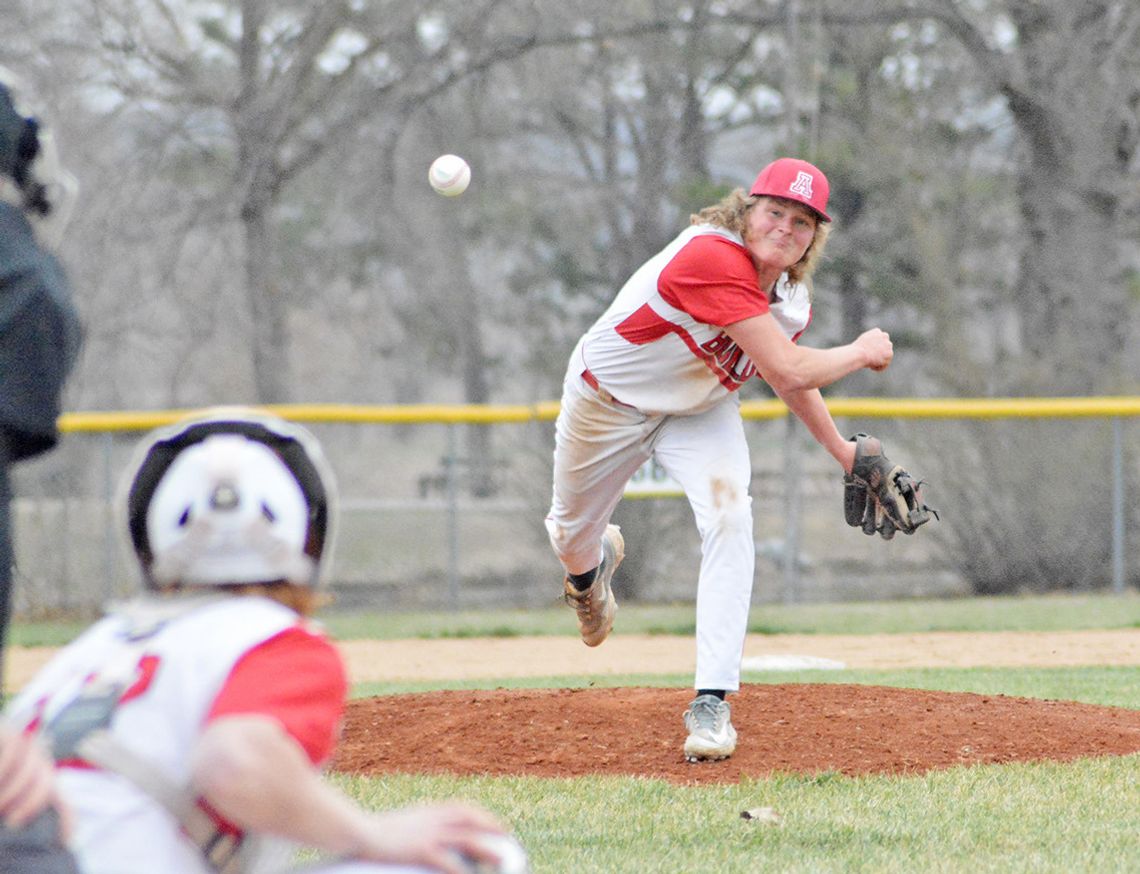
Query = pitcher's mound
x=802 y=728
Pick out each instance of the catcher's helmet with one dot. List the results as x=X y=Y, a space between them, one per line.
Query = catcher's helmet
x=30 y=173
x=230 y=497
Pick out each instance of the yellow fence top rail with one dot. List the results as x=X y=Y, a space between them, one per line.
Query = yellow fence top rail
x=487 y=414
x=986 y=408
x=401 y=414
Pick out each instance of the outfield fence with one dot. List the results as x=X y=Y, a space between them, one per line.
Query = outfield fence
x=442 y=505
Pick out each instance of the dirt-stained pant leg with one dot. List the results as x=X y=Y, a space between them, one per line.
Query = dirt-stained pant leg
x=708 y=455
x=598 y=446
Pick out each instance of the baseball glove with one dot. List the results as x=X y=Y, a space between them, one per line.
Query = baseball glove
x=879 y=496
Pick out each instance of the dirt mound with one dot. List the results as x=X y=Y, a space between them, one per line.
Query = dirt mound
x=803 y=728
x=800 y=728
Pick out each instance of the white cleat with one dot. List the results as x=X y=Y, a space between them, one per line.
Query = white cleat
x=711 y=735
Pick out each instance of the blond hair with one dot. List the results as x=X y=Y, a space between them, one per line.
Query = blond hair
x=731 y=213
x=302 y=600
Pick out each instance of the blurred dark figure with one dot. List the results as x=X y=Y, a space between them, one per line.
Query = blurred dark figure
x=39 y=328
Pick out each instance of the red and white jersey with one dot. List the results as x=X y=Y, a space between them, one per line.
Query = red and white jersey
x=186 y=666
x=661 y=345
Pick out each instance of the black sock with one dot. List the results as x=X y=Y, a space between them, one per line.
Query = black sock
x=718 y=693
x=581 y=582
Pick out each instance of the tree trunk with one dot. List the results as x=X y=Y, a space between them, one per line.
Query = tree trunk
x=1068 y=92
x=258 y=186
x=1074 y=314
x=266 y=307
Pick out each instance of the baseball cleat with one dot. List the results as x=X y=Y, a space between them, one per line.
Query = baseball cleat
x=596 y=606
x=711 y=735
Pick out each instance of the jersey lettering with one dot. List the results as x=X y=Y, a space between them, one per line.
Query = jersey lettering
x=663 y=345
x=718 y=345
x=730 y=359
x=721 y=354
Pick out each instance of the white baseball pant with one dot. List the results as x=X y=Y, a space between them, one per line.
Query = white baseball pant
x=600 y=444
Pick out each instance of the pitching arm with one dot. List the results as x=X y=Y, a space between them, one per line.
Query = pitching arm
x=788 y=367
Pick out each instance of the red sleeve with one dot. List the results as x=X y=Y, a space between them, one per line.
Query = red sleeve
x=298 y=678
x=713 y=280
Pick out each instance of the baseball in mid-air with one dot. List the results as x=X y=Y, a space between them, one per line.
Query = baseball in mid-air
x=449 y=175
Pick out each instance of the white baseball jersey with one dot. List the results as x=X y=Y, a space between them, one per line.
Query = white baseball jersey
x=656 y=376
x=184 y=664
x=661 y=345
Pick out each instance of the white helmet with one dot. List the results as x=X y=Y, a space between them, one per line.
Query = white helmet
x=231 y=497
x=31 y=176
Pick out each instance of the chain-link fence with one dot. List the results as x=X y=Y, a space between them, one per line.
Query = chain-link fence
x=443 y=508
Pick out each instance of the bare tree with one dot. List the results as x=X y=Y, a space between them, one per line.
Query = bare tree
x=280 y=82
x=1069 y=74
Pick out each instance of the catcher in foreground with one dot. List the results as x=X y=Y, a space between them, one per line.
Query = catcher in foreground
x=189 y=725
x=879 y=496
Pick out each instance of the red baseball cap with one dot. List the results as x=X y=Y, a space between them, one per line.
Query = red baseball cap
x=796 y=180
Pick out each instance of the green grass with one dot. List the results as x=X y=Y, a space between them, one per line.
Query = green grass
x=44 y=633
x=1041 y=818
x=1023 y=613
x=1010 y=818
x=1110 y=686
x=1045 y=817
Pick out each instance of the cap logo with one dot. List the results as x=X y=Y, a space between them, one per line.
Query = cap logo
x=802 y=185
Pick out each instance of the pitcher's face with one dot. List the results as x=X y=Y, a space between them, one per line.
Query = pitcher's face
x=779 y=232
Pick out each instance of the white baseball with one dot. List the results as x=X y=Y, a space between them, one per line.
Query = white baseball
x=449 y=175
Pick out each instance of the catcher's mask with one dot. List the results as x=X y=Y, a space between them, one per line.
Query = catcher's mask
x=31 y=176
x=230 y=498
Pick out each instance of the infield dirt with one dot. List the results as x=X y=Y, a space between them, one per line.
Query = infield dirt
x=802 y=728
